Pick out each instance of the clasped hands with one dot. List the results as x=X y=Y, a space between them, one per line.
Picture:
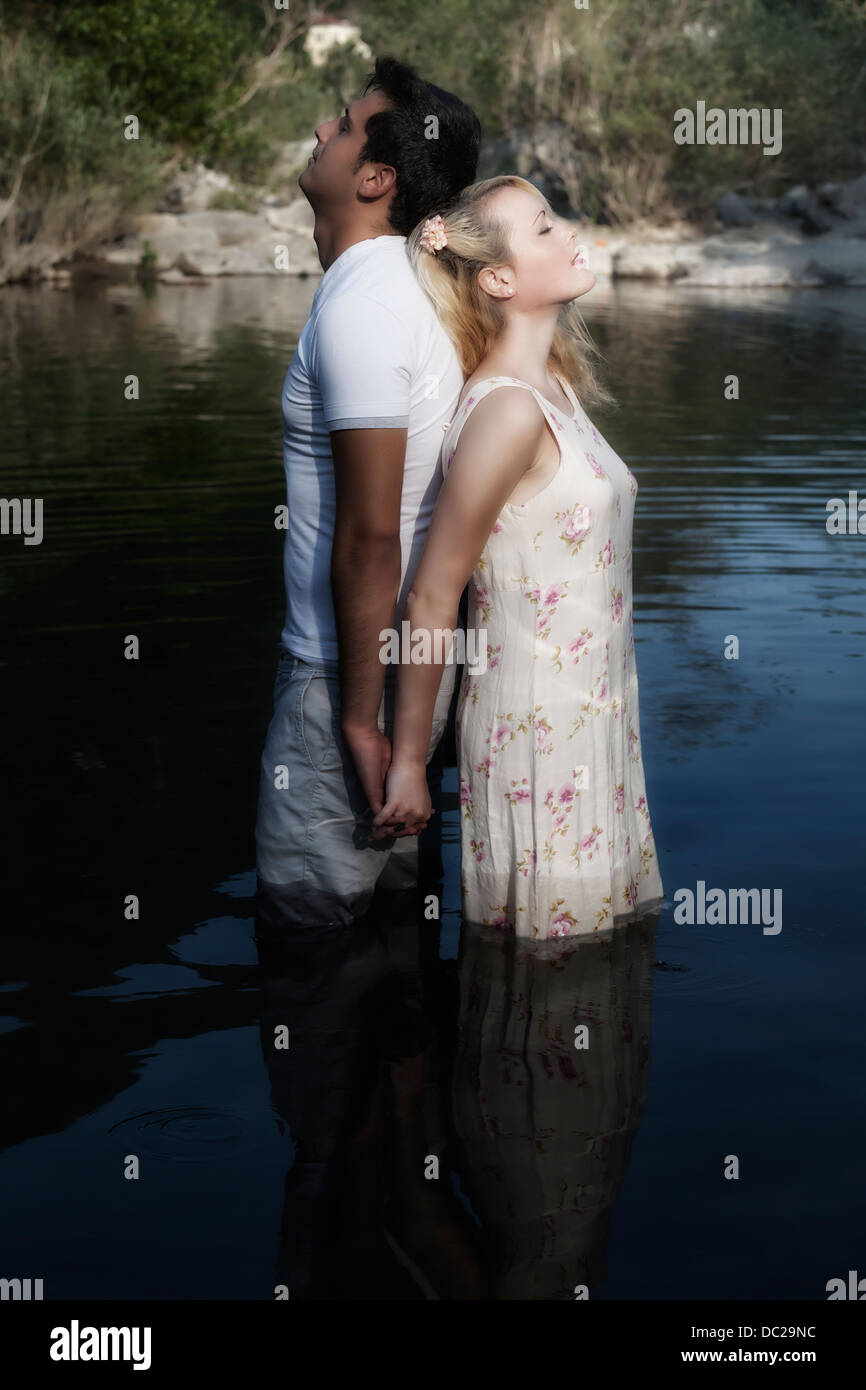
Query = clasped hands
x=397 y=792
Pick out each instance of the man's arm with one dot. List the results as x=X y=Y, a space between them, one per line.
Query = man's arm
x=362 y=362
x=365 y=580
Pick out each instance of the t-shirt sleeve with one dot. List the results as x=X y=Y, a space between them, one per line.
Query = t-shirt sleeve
x=361 y=363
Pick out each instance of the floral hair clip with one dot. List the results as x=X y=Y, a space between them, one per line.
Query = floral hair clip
x=433 y=236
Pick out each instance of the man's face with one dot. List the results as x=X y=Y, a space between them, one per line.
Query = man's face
x=330 y=180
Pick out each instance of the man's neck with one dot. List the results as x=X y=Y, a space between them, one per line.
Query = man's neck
x=331 y=241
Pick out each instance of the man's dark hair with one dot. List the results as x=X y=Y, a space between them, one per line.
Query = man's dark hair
x=430 y=171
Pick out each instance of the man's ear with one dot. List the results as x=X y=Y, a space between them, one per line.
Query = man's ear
x=381 y=180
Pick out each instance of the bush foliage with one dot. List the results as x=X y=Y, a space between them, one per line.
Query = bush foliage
x=229 y=82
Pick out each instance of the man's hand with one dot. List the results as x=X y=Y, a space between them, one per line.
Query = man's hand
x=408 y=807
x=371 y=754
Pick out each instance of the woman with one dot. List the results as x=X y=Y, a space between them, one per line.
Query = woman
x=537 y=508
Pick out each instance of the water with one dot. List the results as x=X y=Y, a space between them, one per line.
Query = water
x=150 y=1036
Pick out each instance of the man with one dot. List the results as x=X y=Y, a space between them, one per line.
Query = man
x=372 y=385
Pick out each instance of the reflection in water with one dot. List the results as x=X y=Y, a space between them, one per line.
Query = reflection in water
x=539 y=1130
x=544 y=1125
x=360 y=1089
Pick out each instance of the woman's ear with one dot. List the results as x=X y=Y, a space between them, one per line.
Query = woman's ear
x=498 y=283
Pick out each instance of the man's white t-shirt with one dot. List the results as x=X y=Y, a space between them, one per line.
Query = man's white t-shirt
x=372 y=355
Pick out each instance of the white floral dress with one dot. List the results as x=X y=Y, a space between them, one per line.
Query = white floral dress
x=555 y=831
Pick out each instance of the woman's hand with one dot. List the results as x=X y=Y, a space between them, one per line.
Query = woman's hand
x=407 y=806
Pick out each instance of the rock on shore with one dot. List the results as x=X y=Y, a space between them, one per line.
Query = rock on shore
x=803 y=239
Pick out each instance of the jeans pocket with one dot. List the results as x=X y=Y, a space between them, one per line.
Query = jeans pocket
x=318 y=724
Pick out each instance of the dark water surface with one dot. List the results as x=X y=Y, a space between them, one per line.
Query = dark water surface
x=152 y=1037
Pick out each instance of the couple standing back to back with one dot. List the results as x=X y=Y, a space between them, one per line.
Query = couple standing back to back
x=433 y=437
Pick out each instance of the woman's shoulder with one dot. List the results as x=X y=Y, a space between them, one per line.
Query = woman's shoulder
x=511 y=395
x=495 y=418
x=479 y=386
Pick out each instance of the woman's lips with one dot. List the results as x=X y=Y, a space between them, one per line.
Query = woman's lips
x=580 y=257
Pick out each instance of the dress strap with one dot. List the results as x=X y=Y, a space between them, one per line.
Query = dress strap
x=481 y=389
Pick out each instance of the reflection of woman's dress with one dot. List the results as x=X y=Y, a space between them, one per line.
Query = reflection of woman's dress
x=556 y=833
x=544 y=1129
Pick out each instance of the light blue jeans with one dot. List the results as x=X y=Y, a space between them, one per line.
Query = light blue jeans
x=315 y=862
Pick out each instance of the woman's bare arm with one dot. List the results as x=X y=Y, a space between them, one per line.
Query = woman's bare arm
x=498 y=445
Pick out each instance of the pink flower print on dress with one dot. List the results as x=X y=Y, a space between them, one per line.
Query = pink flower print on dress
x=547 y=607
x=577 y=525
x=601 y=684
x=616 y=605
x=595 y=434
x=607 y=554
x=477 y=847
x=619 y=799
x=543 y=733
x=465 y=797
x=630 y=894
x=526 y=862
x=546 y=603
x=499 y=736
x=496 y=528
x=632 y=744
x=563 y=924
x=502 y=732
x=560 y=806
x=494 y=656
x=589 y=842
x=519 y=791
x=482 y=602
x=594 y=464
x=646 y=854
x=576 y=648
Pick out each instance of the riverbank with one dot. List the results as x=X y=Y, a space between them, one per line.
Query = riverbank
x=806 y=238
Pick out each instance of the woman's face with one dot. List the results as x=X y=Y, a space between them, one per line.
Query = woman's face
x=548 y=262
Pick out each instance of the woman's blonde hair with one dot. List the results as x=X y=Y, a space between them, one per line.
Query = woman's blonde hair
x=473 y=319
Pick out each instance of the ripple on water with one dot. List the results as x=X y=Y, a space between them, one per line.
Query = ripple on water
x=714 y=965
x=194 y=1133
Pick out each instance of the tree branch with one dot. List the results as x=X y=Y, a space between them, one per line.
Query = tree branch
x=265 y=68
x=29 y=154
